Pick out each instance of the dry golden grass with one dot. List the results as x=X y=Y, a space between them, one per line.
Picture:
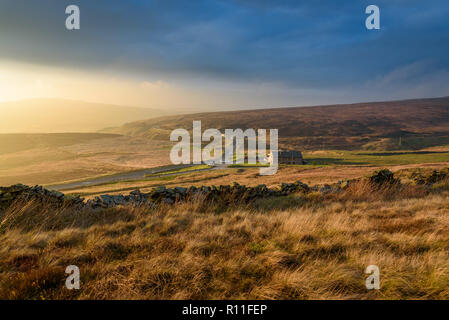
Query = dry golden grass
x=296 y=247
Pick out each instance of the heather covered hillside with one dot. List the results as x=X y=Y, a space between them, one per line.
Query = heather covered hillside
x=408 y=124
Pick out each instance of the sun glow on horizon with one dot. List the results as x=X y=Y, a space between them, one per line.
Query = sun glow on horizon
x=27 y=81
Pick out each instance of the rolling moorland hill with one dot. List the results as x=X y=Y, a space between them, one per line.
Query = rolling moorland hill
x=407 y=124
x=16 y=142
x=57 y=115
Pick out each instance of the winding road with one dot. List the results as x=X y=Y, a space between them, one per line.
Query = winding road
x=128 y=176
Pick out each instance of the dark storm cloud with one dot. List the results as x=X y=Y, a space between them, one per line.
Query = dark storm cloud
x=309 y=44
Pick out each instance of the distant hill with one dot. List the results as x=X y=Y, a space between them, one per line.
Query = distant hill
x=55 y=115
x=407 y=124
x=16 y=142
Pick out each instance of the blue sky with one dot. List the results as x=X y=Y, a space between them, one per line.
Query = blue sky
x=245 y=53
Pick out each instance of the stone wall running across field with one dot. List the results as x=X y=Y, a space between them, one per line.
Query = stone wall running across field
x=229 y=194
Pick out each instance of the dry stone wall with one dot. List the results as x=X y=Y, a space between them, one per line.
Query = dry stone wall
x=235 y=193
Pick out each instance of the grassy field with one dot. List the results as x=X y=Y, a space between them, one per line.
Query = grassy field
x=376 y=158
x=56 y=158
x=297 y=247
x=181 y=170
x=52 y=159
x=318 y=173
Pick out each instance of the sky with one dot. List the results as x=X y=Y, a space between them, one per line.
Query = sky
x=220 y=55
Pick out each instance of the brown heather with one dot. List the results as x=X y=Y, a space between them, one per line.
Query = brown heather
x=297 y=247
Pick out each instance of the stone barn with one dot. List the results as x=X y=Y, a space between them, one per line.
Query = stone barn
x=289 y=157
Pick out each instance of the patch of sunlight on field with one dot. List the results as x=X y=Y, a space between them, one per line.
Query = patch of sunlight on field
x=55 y=158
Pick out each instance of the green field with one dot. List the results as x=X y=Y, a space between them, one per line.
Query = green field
x=369 y=158
x=181 y=170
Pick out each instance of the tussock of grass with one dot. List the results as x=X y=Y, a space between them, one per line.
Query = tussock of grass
x=298 y=247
